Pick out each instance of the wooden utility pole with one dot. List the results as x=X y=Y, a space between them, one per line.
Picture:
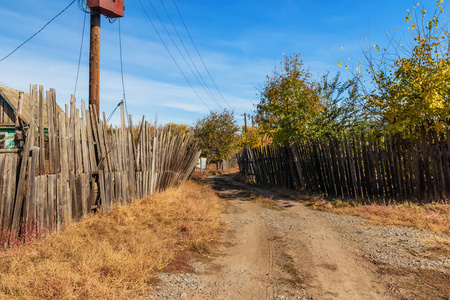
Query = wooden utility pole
x=111 y=9
x=94 y=61
x=245 y=122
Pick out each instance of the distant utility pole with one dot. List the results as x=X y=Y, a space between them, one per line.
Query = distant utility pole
x=245 y=122
x=110 y=9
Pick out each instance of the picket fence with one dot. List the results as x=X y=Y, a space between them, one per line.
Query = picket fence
x=393 y=168
x=76 y=164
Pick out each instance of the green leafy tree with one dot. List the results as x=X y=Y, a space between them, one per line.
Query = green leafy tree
x=410 y=86
x=289 y=100
x=341 y=110
x=217 y=135
x=293 y=106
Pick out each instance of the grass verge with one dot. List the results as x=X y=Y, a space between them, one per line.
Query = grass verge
x=429 y=217
x=116 y=255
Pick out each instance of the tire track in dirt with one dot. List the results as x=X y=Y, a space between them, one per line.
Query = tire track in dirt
x=326 y=267
x=267 y=254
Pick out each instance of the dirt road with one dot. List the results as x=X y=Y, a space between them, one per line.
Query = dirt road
x=293 y=253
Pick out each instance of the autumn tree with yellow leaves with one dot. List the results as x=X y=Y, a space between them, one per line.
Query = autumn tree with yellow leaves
x=410 y=87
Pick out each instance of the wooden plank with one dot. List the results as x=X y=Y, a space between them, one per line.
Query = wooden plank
x=72 y=205
x=4 y=177
x=41 y=131
x=55 y=127
x=61 y=196
x=87 y=192
x=77 y=144
x=446 y=163
x=63 y=192
x=397 y=166
x=82 y=203
x=103 y=201
x=70 y=145
x=418 y=173
x=330 y=188
x=42 y=205
x=19 y=199
x=11 y=188
x=427 y=168
x=408 y=165
x=352 y=168
x=52 y=202
x=118 y=187
x=436 y=162
x=50 y=133
x=358 y=161
x=91 y=142
x=107 y=144
x=391 y=171
x=2 y=113
x=84 y=144
x=103 y=158
x=139 y=185
x=109 y=192
x=31 y=220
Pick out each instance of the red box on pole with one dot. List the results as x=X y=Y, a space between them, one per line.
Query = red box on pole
x=109 y=8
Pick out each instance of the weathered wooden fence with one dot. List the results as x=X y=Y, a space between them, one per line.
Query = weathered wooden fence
x=76 y=164
x=229 y=163
x=370 y=170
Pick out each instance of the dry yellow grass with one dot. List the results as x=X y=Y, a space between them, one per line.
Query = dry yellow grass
x=430 y=217
x=114 y=256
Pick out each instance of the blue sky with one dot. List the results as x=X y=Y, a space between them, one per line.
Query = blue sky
x=239 y=41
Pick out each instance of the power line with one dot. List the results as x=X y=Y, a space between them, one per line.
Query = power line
x=170 y=53
x=79 y=58
x=181 y=54
x=187 y=52
x=121 y=71
x=18 y=47
x=112 y=113
x=201 y=59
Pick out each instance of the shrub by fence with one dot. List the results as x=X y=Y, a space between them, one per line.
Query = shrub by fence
x=77 y=164
x=370 y=170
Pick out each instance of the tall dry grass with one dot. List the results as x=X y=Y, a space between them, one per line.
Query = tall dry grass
x=116 y=255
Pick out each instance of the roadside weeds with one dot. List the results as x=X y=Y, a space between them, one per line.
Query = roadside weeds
x=116 y=255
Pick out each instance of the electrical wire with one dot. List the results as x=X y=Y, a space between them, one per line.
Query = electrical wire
x=121 y=71
x=181 y=54
x=112 y=113
x=188 y=54
x=171 y=55
x=20 y=46
x=201 y=59
x=79 y=58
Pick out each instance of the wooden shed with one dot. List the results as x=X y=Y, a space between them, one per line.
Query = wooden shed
x=9 y=99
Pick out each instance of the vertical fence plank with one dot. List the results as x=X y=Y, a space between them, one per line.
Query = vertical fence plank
x=41 y=131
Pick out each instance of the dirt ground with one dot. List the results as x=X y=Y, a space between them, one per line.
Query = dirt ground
x=297 y=253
